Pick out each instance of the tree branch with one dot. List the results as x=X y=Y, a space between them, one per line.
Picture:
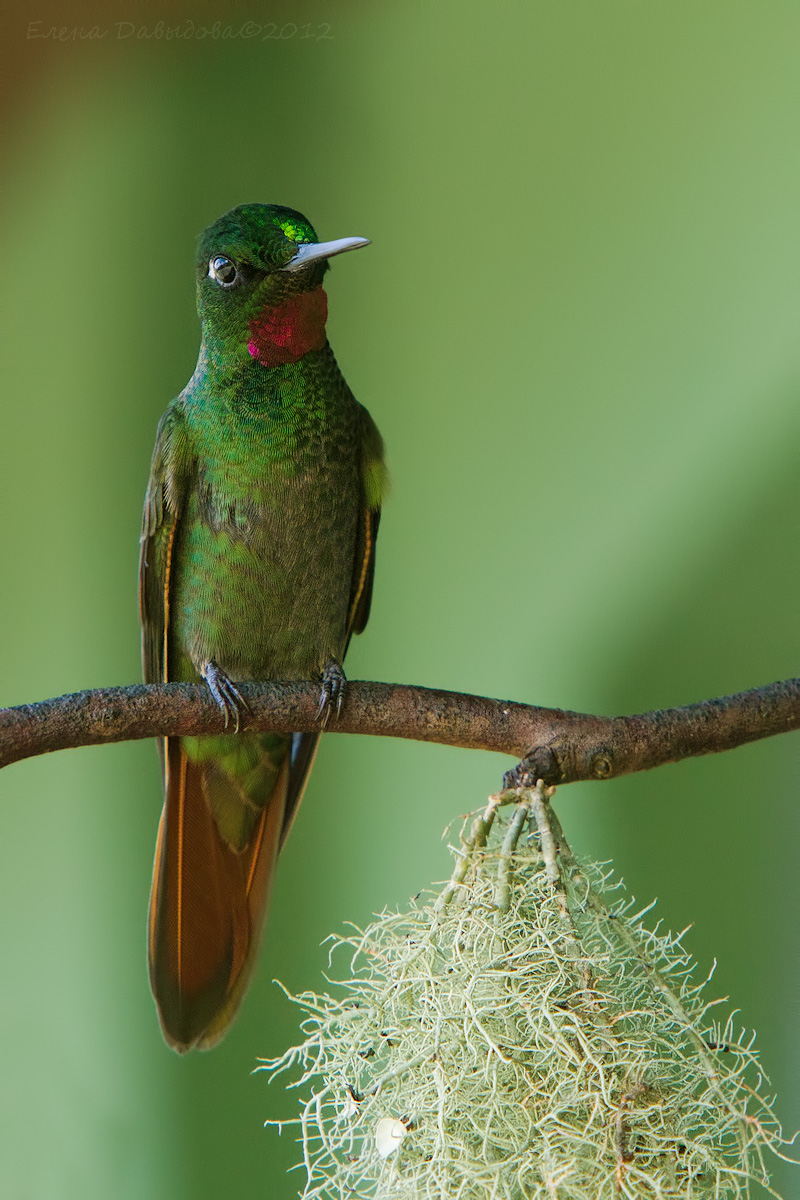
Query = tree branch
x=554 y=745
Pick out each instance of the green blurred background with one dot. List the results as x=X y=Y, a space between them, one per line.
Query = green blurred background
x=577 y=328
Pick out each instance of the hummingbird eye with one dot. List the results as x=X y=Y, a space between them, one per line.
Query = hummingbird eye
x=223 y=270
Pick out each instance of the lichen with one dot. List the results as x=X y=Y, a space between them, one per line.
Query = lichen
x=524 y=1035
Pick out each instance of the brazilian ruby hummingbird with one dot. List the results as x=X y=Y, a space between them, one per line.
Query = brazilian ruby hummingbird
x=257 y=561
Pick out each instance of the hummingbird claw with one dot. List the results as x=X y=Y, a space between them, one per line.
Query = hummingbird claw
x=334 y=684
x=226 y=694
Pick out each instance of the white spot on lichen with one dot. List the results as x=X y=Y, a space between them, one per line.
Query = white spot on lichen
x=389 y=1133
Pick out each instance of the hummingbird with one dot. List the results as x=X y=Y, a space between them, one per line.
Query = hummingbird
x=257 y=561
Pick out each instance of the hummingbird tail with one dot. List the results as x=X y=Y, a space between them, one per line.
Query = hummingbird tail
x=208 y=899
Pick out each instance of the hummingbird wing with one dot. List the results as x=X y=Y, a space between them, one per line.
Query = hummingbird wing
x=373 y=474
x=364 y=574
x=163 y=502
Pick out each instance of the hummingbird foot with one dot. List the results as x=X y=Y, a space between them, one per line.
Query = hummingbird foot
x=226 y=694
x=334 y=684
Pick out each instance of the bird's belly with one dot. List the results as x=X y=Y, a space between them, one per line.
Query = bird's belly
x=265 y=596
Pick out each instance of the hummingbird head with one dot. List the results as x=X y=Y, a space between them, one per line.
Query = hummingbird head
x=259 y=283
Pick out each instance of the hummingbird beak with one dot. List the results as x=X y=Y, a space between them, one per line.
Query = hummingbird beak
x=312 y=251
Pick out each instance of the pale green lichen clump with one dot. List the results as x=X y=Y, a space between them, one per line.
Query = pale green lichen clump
x=523 y=1037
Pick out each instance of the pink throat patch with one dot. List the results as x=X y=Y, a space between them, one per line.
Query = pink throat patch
x=285 y=333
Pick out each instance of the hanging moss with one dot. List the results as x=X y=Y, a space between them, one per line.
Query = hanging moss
x=524 y=1036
